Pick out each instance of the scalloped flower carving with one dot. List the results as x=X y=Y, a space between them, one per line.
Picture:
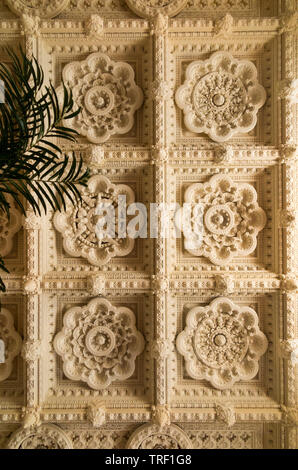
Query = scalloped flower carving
x=12 y=343
x=99 y=343
x=222 y=343
x=107 y=93
x=222 y=220
x=79 y=224
x=8 y=228
x=221 y=96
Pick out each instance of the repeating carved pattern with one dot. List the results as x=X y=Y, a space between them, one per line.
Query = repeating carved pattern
x=47 y=436
x=232 y=439
x=99 y=343
x=152 y=437
x=222 y=219
x=222 y=343
x=41 y=8
x=228 y=386
x=150 y=8
x=107 y=93
x=221 y=96
x=83 y=234
x=12 y=342
x=8 y=228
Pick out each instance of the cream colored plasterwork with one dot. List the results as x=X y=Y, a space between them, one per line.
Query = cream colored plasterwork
x=9 y=227
x=99 y=343
x=106 y=92
x=162 y=364
x=47 y=436
x=12 y=342
x=221 y=96
x=222 y=343
x=151 y=8
x=41 y=8
x=152 y=437
x=78 y=223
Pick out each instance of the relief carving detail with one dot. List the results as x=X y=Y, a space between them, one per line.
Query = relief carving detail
x=150 y=8
x=99 y=343
x=41 y=8
x=46 y=436
x=12 y=342
x=154 y=437
x=81 y=228
x=8 y=228
x=107 y=93
x=220 y=96
x=222 y=219
x=222 y=343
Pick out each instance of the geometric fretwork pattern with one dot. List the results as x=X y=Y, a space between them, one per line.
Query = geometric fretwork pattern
x=160 y=342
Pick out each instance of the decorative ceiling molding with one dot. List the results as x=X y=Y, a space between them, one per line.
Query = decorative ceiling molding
x=151 y=8
x=82 y=233
x=221 y=96
x=222 y=343
x=151 y=436
x=12 y=343
x=107 y=93
x=41 y=8
x=47 y=436
x=230 y=379
x=99 y=343
x=8 y=228
x=221 y=219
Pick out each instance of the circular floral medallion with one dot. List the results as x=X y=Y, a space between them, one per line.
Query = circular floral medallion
x=83 y=232
x=151 y=436
x=221 y=96
x=99 y=100
x=107 y=93
x=151 y=8
x=221 y=219
x=41 y=8
x=47 y=436
x=222 y=343
x=99 y=343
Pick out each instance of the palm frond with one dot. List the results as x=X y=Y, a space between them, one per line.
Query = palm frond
x=39 y=185
x=31 y=110
x=32 y=166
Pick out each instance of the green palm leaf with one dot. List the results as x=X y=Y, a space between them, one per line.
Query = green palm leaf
x=32 y=166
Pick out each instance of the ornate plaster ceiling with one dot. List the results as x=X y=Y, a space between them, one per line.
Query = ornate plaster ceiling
x=187 y=342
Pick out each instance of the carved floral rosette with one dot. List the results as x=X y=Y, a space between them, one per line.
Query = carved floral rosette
x=79 y=227
x=153 y=436
x=41 y=8
x=12 y=342
x=99 y=343
x=47 y=436
x=8 y=228
x=107 y=93
x=221 y=96
x=151 y=8
x=222 y=220
x=222 y=343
